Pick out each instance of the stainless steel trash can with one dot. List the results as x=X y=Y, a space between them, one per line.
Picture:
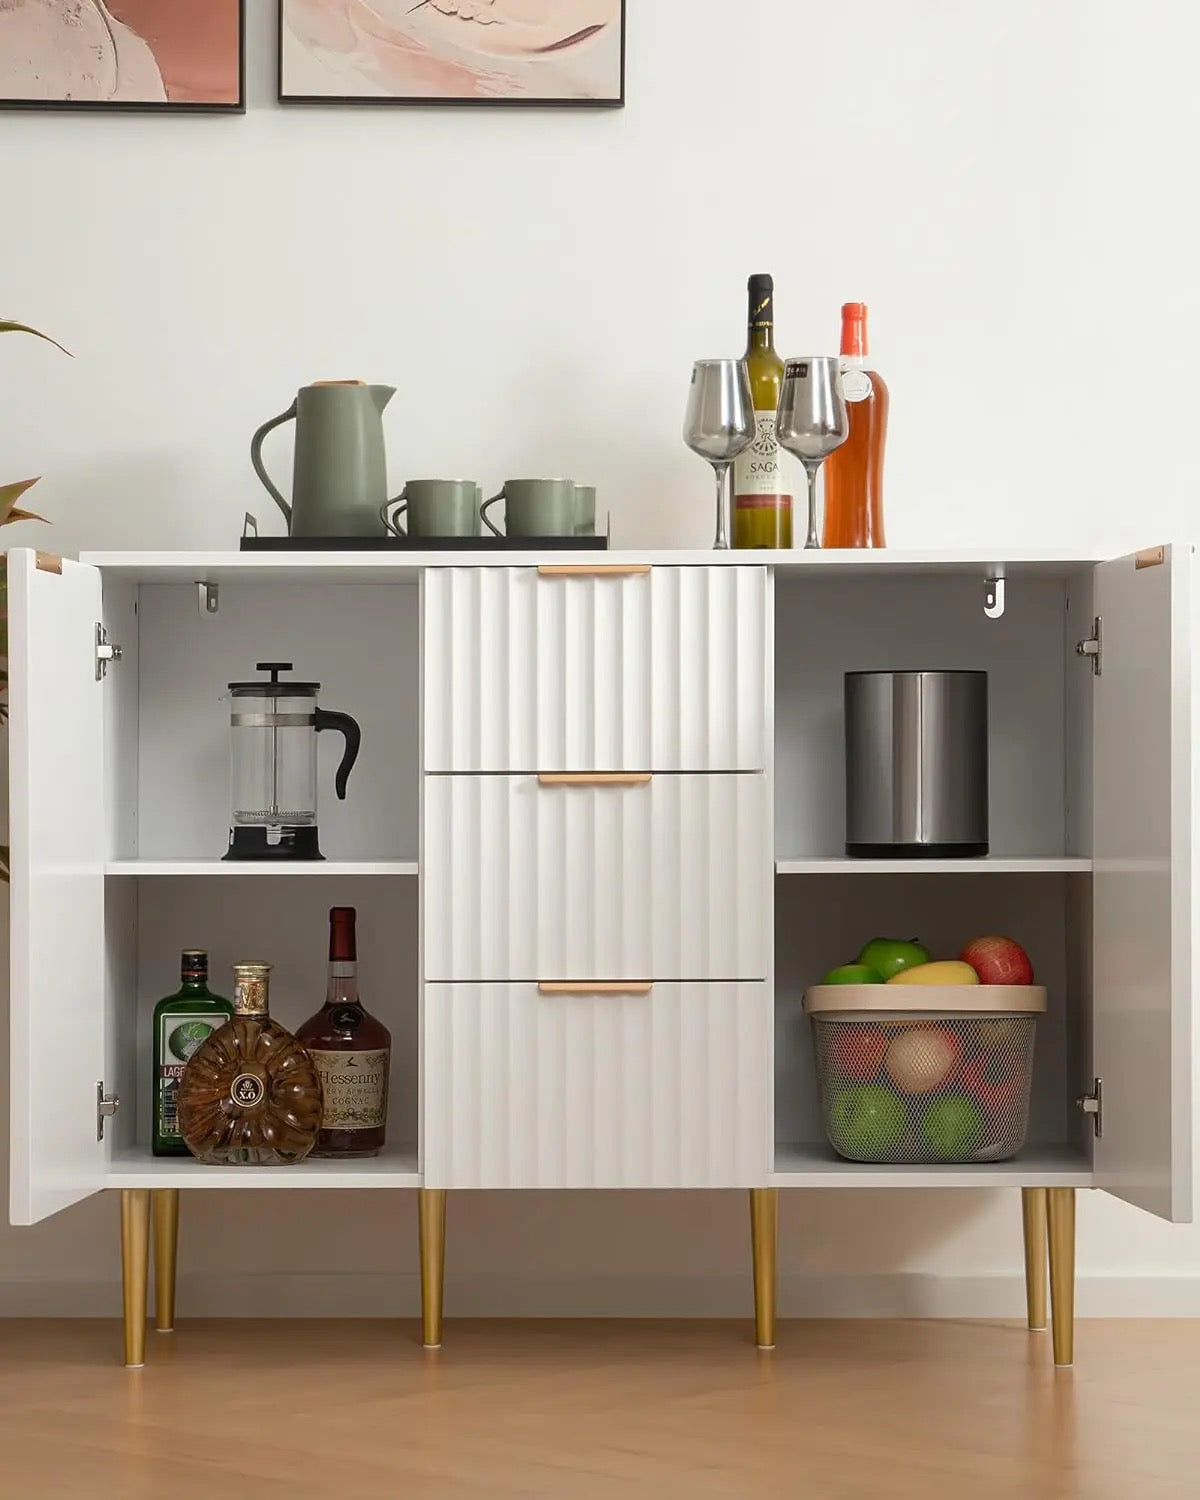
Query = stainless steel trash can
x=916 y=764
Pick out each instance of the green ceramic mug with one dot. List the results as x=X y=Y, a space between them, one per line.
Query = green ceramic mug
x=585 y=510
x=435 y=507
x=535 y=507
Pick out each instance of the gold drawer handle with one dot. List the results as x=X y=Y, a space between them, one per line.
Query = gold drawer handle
x=592 y=570
x=595 y=778
x=597 y=987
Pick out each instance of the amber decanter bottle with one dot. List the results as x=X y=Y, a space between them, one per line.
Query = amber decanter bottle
x=352 y=1052
x=250 y=1094
x=854 y=472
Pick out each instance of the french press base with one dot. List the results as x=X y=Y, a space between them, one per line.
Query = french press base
x=289 y=843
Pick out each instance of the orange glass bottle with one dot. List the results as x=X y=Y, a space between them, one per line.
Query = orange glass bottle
x=854 y=472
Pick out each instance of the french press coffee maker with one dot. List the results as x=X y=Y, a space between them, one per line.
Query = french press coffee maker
x=274 y=727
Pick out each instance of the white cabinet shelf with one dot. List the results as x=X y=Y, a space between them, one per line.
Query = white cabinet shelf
x=395 y=1167
x=408 y=566
x=325 y=868
x=815 y=1165
x=1054 y=864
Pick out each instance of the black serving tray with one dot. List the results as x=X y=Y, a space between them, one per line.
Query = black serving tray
x=424 y=544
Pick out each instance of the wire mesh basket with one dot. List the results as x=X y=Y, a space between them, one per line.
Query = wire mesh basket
x=937 y=1078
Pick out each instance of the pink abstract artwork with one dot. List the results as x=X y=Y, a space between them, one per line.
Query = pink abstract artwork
x=453 y=51
x=133 y=54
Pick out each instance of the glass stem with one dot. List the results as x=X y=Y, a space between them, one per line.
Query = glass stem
x=722 y=541
x=812 y=540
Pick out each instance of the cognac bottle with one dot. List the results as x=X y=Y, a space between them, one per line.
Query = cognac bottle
x=250 y=1094
x=352 y=1052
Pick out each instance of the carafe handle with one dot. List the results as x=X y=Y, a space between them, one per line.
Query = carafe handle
x=323 y=719
x=256 y=443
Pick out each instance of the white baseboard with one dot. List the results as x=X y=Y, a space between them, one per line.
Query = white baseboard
x=335 y=1295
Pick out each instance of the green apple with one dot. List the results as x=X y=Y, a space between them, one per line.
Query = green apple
x=853 y=974
x=889 y=956
x=866 y=1122
x=952 y=1127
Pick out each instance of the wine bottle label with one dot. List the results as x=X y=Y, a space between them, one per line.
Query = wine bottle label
x=179 y=1036
x=856 y=383
x=758 y=472
x=356 y=1088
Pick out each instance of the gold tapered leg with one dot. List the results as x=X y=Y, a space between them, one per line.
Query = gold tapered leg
x=764 y=1235
x=1033 y=1213
x=135 y=1267
x=1060 y=1207
x=166 y=1247
x=431 y=1212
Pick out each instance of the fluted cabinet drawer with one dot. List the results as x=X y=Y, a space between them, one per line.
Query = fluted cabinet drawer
x=666 y=1088
x=668 y=878
x=667 y=669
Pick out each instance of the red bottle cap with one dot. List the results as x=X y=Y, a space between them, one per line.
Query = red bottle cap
x=854 y=330
x=342 y=947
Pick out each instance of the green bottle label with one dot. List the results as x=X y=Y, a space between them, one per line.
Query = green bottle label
x=179 y=1036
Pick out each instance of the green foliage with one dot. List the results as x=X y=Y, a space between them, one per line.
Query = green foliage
x=8 y=326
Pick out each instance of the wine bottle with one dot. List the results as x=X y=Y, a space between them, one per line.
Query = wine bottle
x=181 y=1022
x=762 y=493
x=352 y=1052
x=854 y=472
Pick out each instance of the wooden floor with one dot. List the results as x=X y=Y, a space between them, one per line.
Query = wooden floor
x=355 y=1411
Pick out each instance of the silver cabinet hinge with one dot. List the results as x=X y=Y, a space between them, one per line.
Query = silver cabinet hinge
x=106 y=1106
x=1093 y=647
x=1092 y=1105
x=106 y=652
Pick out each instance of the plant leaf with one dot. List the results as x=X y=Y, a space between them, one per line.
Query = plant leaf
x=7 y=326
x=10 y=494
x=16 y=515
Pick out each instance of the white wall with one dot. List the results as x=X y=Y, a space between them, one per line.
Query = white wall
x=1007 y=183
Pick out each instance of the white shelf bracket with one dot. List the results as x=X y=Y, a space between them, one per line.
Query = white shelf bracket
x=994 y=597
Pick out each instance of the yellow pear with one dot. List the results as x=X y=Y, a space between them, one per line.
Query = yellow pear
x=950 y=972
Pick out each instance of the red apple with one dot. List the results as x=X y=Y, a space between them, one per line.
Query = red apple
x=996 y=1081
x=857 y=1052
x=998 y=960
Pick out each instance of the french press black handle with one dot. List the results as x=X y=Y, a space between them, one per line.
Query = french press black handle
x=322 y=719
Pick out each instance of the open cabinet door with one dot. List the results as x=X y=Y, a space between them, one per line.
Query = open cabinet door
x=1143 y=916
x=56 y=818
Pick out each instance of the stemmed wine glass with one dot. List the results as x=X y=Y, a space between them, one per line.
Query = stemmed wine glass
x=720 y=422
x=812 y=421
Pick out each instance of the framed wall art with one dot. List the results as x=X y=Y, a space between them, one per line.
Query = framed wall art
x=122 y=54
x=514 y=52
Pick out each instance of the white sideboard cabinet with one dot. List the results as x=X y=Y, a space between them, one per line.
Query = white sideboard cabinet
x=595 y=837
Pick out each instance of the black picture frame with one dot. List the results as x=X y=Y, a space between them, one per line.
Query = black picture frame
x=148 y=106
x=376 y=101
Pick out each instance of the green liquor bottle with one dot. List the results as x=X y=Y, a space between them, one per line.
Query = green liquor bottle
x=181 y=1022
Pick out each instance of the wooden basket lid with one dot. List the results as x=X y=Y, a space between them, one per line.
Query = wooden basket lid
x=927 y=999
